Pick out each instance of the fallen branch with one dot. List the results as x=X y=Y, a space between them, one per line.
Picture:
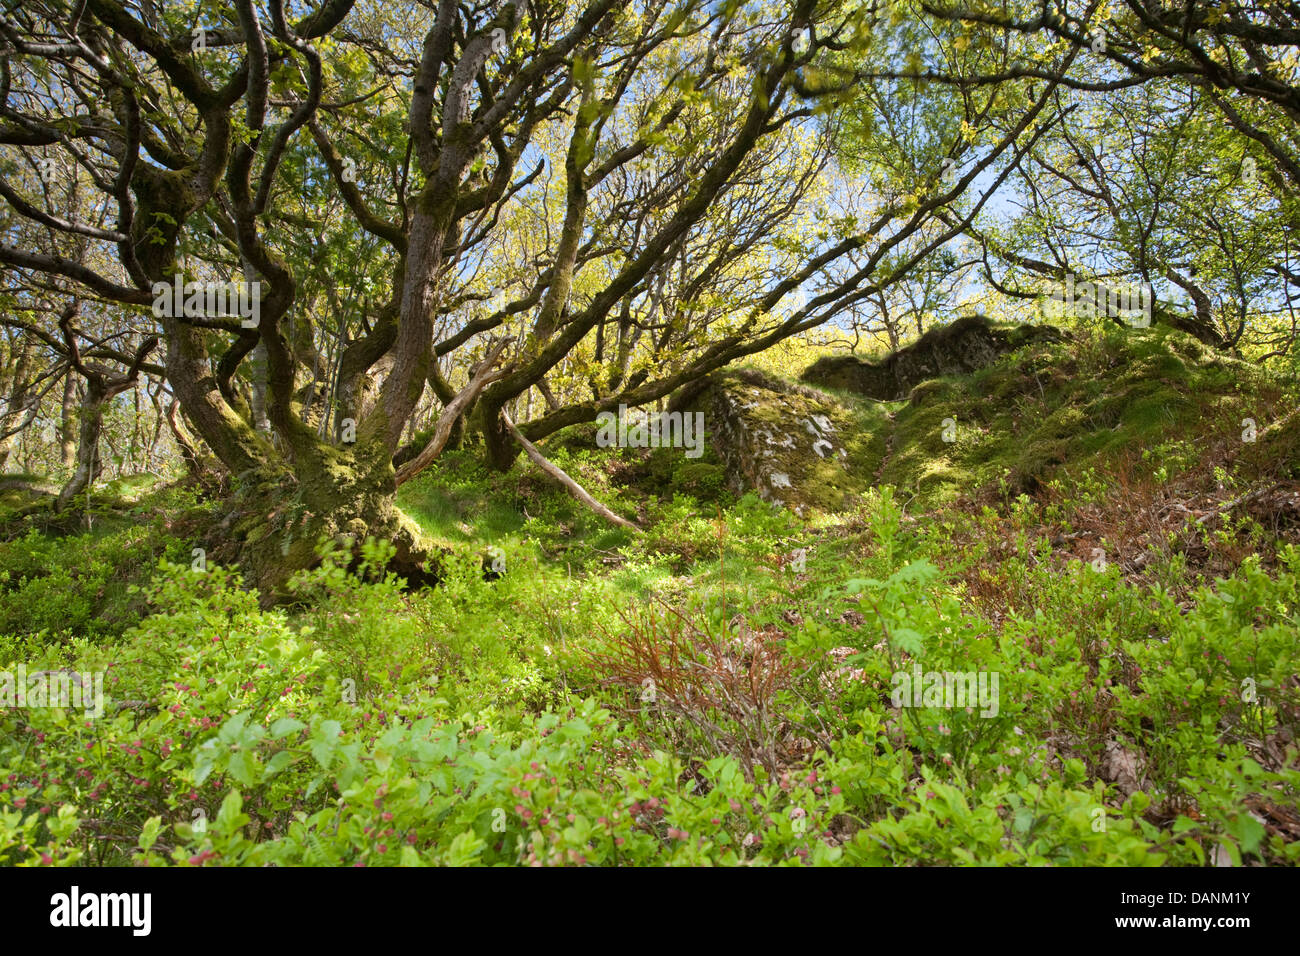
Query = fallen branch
x=1238 y=501
x=29 y=483
x=570 y=485
x=483 y=376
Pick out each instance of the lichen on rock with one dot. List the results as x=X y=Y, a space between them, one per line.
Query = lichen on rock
x=782 y=440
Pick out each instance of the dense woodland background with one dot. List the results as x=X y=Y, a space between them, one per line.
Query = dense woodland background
x=364 y=584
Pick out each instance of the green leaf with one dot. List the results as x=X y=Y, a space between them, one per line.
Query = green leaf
x=231 y=816
x=1248 y=831
x=243 y=767
x=465 y=849
x=277 y=763
x=232 y=729
x=324 y=748
x=575 y=729
x=907 y=640
x=205 y=762
x=918 y=572
x=285 y=726
x=149 y=832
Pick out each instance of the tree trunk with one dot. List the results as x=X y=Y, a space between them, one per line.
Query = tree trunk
x=17 y=406
x=501 y=450
x=186 y=443
x=346 y=497
x=257 y=399
x=87 y=466
x=67 y=429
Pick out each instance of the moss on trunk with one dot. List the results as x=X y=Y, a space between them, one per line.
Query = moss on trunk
x=277 y=520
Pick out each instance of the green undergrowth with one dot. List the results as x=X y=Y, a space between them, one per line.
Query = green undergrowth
x=724 y=688
x=546 y=718
x=69 y=576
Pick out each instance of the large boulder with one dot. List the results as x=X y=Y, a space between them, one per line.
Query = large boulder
x=960 y=348
x=787 y=442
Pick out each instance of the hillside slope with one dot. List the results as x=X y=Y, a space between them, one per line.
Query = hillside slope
x=1011 y=424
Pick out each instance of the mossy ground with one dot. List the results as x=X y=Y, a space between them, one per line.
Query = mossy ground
x=1078 y=404
x=1155 y=402
x=1085 y=402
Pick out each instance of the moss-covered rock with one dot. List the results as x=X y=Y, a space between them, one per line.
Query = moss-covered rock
x=795 y=446
x=964 y=346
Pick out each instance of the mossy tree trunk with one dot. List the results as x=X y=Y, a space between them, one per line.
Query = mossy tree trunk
x=101 y=387
x=278 y=518
x=86 y=462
